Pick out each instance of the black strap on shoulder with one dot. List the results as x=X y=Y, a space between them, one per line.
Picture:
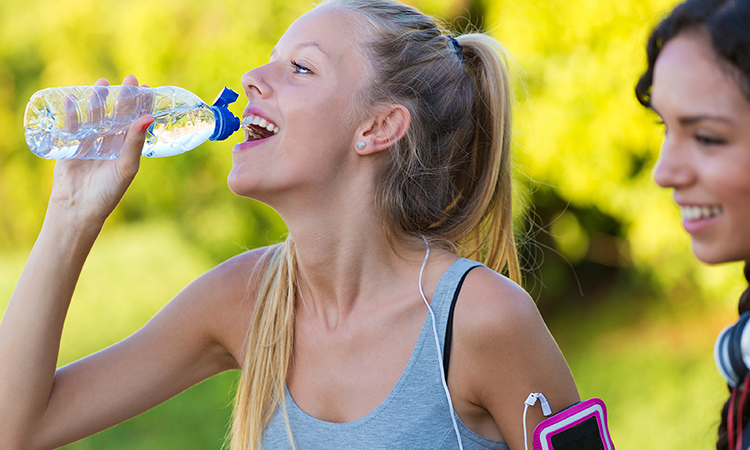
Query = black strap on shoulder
x=449 y=325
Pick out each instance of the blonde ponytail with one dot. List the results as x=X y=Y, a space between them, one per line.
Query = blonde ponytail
x=491 y=238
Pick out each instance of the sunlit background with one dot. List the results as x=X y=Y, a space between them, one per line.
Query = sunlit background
x=606 y=258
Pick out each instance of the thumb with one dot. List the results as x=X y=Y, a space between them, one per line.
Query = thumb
x=130 y=156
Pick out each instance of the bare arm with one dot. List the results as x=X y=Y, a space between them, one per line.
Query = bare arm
x=32 y=325
x=185 y=343
x=503 y=352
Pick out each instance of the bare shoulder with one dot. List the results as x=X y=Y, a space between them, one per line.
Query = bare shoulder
x=497 y=325
x=493 y=306
x=222 y=300
x=233 y=275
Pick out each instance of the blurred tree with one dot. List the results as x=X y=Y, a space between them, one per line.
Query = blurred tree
x=584 y=147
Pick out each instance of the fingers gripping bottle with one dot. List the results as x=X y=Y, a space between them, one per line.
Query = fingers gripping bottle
x=90 y=122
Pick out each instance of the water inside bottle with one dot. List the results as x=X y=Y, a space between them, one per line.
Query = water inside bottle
x=178 y=131
x=99 y=135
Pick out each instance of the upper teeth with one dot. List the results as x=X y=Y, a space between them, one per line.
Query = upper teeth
x=700 y=212
x=259 y=121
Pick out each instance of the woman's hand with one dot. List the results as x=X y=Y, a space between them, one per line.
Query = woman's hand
x=87 y=191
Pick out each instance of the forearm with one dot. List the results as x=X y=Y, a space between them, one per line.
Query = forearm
x=32 y=324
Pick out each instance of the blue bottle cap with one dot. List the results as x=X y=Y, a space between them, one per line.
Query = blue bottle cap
x=226 y=122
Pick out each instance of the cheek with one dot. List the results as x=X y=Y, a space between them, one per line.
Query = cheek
x=321 y=121
x=738 y=197
x=732 y=189
x=734 y=178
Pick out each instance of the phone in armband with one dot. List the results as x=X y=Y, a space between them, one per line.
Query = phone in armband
x=582 y=426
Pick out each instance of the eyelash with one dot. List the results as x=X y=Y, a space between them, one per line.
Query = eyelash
x=701 y=139
x=300 y=69
x=706 y=140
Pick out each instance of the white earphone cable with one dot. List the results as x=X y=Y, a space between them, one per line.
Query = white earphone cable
x=437 y=344
x=531 y=401
x=525 y=433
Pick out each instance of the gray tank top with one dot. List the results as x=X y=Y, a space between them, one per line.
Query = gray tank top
x=415 y=414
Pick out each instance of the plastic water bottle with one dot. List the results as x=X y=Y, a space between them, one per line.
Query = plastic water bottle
x=90 y=122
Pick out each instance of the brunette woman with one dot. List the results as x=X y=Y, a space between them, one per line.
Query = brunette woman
x=698 y=82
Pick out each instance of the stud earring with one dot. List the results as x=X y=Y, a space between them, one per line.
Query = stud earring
x=360 y=145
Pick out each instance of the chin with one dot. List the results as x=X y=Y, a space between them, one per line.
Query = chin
x=238 y=186
x=712 y=255
x=233 y=184
x=250 y=189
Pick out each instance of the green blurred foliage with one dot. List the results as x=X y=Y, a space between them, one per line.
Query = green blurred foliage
x=584 y=147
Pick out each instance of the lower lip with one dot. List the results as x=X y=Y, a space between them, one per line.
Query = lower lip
x=696 y=226
x=249 y=144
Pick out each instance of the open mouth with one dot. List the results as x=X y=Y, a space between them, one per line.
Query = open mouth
x=695 y=212
x=258 y=128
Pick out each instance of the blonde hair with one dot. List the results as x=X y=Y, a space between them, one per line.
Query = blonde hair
x=449 y=178
x=268 y=348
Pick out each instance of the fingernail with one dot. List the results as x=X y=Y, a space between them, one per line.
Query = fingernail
x=146 y=125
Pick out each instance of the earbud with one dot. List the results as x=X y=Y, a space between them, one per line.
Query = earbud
x=732 y=351
x=531 y=401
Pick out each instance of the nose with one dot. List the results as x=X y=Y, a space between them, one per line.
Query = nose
x=254 y=83
x=675 y=168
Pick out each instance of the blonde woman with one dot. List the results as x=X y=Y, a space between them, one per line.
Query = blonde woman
x=384 y=145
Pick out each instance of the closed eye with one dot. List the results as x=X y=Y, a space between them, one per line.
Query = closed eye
x=300 y=68
x=709 y=140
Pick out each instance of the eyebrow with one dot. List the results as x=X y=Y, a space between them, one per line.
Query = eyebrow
x=692 y=120
x=304 y=45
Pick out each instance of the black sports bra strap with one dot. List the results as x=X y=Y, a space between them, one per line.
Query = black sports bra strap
x=449 y=325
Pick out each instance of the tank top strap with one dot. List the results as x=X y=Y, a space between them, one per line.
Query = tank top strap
x=445 y=293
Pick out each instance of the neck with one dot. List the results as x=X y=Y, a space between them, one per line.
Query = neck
x=348 y=268
x=345 y=259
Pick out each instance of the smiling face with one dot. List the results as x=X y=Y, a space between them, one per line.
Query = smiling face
x=705 y=157
x=300 y=121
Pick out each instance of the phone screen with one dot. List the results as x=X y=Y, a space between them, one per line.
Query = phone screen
x=584 y=436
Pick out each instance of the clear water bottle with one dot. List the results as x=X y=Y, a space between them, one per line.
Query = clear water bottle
x=90 y=122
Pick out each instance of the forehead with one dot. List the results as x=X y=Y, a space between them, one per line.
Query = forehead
x=689 y=75
x=327 y=29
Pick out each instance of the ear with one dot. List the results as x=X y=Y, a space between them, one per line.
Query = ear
x=385 y=128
